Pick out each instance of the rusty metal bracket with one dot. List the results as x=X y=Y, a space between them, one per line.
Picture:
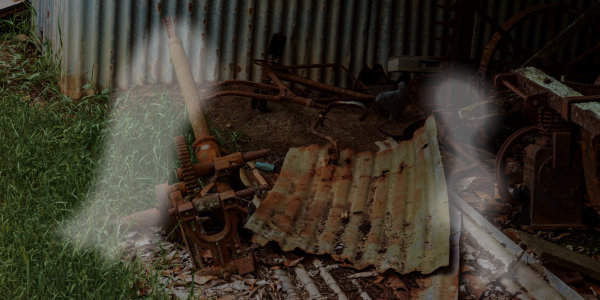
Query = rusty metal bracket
x=510 y=81
x=225 y=165
x=186 y=211
x=231 y=161
x=539 y=89
x=224 y=245
x=566 y=103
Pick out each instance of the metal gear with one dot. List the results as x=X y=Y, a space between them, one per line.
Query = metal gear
x=183 y=155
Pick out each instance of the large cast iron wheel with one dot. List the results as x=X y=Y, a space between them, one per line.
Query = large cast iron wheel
x=551 y=11
x=509 y=161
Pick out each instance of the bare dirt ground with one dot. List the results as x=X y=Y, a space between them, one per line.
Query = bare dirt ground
x=287 y=125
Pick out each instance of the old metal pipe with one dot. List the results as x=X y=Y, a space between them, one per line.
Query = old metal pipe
x=186 y=82
x=322 y=87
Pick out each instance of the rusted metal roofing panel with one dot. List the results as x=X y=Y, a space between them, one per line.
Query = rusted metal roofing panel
x=118 y=44
x=388 y=209
x=443 y=283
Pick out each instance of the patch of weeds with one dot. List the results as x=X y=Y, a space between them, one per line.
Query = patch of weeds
x=238 y=138
x=231 y=140
x=27 y=65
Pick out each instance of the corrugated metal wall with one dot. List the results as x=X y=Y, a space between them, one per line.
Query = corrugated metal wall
x=532 y=32
x=110 y=43
x=120 y=43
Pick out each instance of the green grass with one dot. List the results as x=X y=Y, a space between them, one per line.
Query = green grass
x=68 y=170
x=230 y=140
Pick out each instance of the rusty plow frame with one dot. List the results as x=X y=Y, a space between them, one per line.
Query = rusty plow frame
x=273 y=88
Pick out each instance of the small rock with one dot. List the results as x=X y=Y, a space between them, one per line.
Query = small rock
x=512 y=234
x=465 y=183
x=466 y=268
x=486 y=264
x=468 y=249
x=290 y=263
x=261 y=283
x=180 y=292
x=476 y=286
x=468 y=257
x=560 y=236
x=201 y=280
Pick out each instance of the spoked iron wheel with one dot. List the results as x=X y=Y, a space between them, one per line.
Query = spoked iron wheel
x=509 y=161
x=513 y=53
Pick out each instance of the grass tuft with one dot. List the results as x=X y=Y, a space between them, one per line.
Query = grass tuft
x=27 y=67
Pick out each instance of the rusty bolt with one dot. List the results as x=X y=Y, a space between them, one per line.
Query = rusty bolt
x=344 y=215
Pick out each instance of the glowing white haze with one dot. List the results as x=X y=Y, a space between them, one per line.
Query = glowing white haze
x=138 y=154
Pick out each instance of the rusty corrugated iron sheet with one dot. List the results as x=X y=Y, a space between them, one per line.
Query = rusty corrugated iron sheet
x=110 y=43
x=387 y=209
x=443 y=283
